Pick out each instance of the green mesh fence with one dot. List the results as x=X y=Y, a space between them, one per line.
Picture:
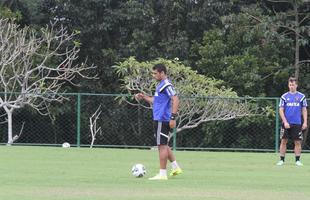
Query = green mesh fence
x=34 y=128
x=124 y=125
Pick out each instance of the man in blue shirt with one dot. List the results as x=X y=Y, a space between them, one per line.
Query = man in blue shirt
x=165 y=106
x=293 y=107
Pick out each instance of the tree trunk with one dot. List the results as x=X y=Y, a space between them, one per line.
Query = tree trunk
x=92 y=141
x=10 y=127
x=296 y=42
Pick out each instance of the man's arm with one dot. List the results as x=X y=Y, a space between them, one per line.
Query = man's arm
x=146 y=98
x=175 y=106
x=283 y=118
x=305 y=118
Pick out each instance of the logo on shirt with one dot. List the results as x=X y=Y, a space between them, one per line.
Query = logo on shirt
x=293 y=104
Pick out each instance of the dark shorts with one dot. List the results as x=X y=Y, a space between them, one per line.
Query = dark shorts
x=294 y=132
x=161 y=132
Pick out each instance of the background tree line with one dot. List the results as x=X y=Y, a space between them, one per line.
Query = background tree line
x=252 y=46
x=220 y=39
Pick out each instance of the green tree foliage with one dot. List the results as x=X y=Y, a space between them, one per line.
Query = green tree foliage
x=137 y=76
x=111 y=31
x=202 y=99
x=289 y=20
x=5 y=12
x=240 y=55
x=148 y=29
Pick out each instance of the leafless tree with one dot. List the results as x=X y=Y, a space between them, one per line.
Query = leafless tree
x=34 y=65
x=93 y=126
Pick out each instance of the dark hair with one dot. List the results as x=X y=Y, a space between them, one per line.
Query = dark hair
x=292 y=79
x=160 y=68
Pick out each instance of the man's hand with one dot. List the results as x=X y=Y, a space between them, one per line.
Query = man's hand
x=286 y=125
x=304 y=126
x=172 y=123
x=139 y=96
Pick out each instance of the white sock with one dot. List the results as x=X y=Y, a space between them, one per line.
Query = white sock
x=163 y=172
x=174 y=165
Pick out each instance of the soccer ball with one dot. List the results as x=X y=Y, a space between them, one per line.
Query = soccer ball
x=138 y=170
x=65 y=145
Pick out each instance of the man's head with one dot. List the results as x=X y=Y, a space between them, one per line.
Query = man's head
x=159 y=72
x=292 y=84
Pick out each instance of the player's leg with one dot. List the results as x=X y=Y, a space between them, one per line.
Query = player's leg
x=176 y=170
x=283 y=147
x=284 y=138
x=162 y=143
x=171 y=157
x=297 y=137
x=297 y=148
x=163 y=156
x=297 y=151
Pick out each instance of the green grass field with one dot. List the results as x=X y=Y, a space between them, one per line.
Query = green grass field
x=52 y=173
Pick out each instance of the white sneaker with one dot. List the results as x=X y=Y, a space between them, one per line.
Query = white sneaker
x=280 y=163
x=298 y=163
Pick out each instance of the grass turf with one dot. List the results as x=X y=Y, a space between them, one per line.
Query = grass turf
x=52 y=173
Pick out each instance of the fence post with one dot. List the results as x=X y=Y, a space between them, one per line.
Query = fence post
x=78 y=121
x=277 y=127
x=174 y=139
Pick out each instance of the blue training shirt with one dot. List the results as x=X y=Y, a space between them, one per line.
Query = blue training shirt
x=293 y=104
x=162 y=101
